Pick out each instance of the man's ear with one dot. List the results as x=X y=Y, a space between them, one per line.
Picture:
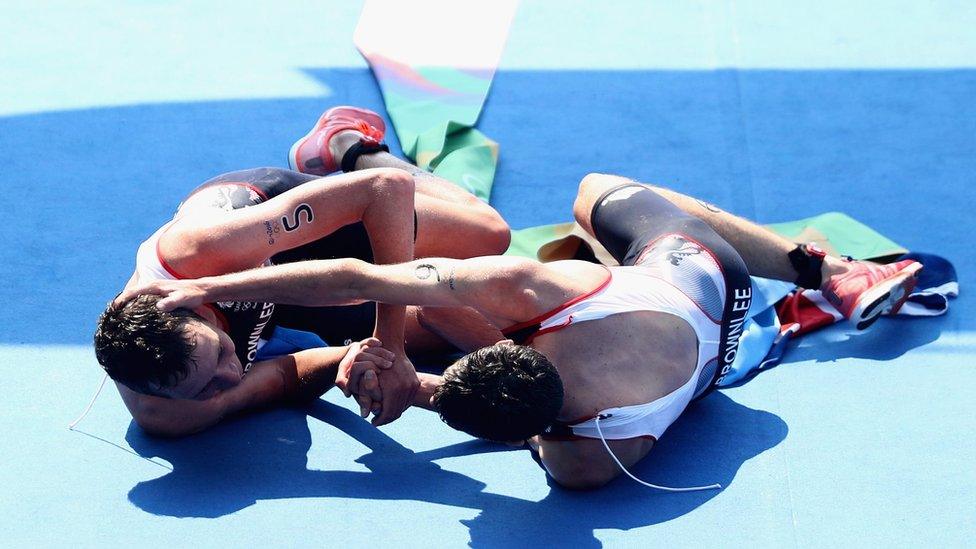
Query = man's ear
x=206 y=313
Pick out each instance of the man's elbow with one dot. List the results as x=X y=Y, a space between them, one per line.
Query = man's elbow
x=587 y=481
x=579 y=475
x=158 y=427
x=154 y=421
x=349 y=282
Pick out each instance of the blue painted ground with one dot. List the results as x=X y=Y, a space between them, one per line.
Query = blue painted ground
x=774 y=114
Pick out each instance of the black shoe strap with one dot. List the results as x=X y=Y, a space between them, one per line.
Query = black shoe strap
x=358 y=149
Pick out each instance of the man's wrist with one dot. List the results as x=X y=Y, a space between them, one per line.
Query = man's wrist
x=392 y=340
x=428 y=383
x=390 y=320
x=265 y=383
x=227 y=403
x=208 y=288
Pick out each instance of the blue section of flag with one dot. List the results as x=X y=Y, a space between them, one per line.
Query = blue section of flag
x=285 y=341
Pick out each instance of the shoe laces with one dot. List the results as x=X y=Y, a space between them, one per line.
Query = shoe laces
x=369 y=131
x=358 y=125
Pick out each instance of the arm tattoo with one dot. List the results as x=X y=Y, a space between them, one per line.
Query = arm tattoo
x=296 y=221
x=271 y=228
x=450 y=279
x=424 y=270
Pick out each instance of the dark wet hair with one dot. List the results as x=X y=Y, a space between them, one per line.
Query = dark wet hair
x=142 y=347
x=502 y=393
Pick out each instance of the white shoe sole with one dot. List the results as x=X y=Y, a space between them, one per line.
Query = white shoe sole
x=886 y=297
x=293 y=152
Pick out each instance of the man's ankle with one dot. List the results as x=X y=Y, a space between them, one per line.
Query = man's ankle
x=341 y=142
x=833 y=266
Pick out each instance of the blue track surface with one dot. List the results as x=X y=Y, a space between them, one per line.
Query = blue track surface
x=108 y=115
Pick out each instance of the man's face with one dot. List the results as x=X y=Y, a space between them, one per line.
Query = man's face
x=213 y=367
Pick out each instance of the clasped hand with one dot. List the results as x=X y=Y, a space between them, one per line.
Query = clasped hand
x=383 y=383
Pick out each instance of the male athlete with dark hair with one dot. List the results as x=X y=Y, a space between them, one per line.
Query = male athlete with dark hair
x=605 y=358
x=180 y=372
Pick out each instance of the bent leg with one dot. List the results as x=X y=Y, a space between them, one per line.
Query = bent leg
x=860 y=290
x=764 y=252
x=451 y=222
x=640 y=227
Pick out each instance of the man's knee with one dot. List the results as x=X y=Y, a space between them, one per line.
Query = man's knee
x=591 y=187
x=578 y=465
x=586 y=195
x=486 y=232
x=393 y=180
x=595 y=183
x=497 y=234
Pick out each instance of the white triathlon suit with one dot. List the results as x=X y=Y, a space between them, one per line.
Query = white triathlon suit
x=685 y=282
x=149 y=264
x=244 y=321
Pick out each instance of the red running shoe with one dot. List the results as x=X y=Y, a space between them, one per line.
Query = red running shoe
x=869 y=290
x=311 y=153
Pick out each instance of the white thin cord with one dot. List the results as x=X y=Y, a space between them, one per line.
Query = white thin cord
x=71 y=426
x=715 y=486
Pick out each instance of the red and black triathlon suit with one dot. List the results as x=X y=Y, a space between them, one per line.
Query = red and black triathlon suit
x=335 y=325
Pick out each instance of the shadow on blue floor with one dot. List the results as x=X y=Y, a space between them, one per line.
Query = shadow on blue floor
x=264 y=457
x=101 y=180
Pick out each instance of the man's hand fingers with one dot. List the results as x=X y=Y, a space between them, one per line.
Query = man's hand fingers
x=132 y=293
x=365 y=405
x=391 y=410
x=385 y=363
x=173 y=295
x=122 y=298
x=371 y=386
x=356 y=377
x=375 y=360
x=371 y=342
x=399 y=385
x=393 y=406
x=388 y=414
x=342 y=383
x=358 y=373
x=342 y=380
x=379 y=350
x=169 y=302
x=345 y=369
x=370 y=396
x=384 y=418
x=384 y=355
x=374 y=347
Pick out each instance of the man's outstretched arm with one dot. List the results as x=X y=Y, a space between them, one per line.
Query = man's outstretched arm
x=504 y=289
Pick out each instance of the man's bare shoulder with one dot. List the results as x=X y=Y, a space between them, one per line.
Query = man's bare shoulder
x=508 y=290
